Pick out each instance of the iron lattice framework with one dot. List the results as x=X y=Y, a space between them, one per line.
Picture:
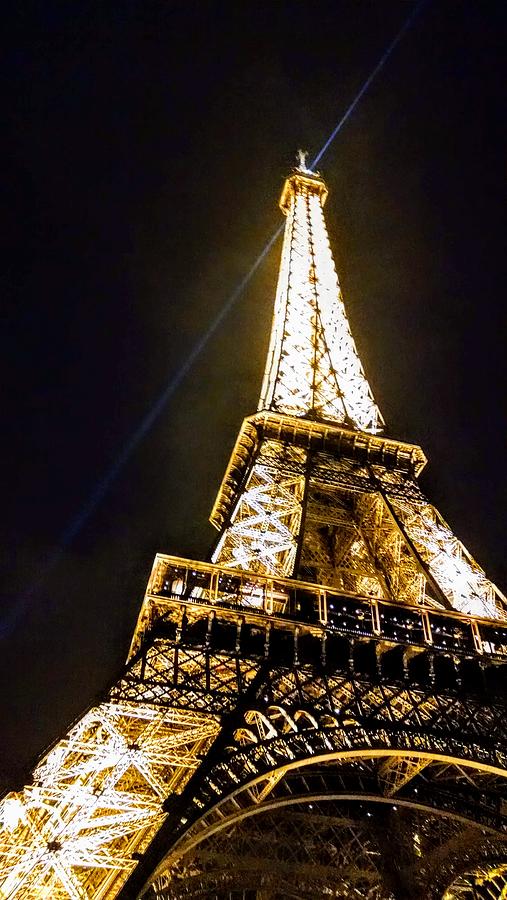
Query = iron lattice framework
x=320 y=711
x=313 y=368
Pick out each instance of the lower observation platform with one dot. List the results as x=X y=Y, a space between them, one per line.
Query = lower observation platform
x=309 y=609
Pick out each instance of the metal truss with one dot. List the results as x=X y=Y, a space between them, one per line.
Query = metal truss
x=96 y=800
x=313 y=367
x=397 y=771
x=345 y=726
x=326 y=848
x=390 y=541
x=315 y=736
x=453 y=568
x=333 y=854
x=359 y=527
x=483 y=883
x=211 y=644
x=263 y=534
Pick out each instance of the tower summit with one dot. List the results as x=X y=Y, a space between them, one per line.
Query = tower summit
x=313 y=368
x=318 y=711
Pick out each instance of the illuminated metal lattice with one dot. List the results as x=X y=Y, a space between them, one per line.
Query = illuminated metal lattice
x=462 y=580
x=96 y=800
x=342 y=519
x=264 y=532
x=313 y=368
x=341 y=653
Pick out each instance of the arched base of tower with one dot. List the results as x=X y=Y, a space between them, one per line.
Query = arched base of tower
x=377 y=827
x=326 y=848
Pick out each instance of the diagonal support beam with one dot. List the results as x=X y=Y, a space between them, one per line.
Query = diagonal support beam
x=397 y=771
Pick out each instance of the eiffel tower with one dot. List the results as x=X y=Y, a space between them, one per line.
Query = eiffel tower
x=320 y=709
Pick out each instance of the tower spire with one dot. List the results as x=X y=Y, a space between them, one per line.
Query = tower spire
x=313 y=369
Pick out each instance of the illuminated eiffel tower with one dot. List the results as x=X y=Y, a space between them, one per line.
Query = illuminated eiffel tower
x=320 y=711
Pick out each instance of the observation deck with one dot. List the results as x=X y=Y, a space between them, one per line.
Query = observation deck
x=187 y=587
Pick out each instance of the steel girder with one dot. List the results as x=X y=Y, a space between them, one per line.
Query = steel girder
x=278 y=721
x=96 y=800
x=342 y=521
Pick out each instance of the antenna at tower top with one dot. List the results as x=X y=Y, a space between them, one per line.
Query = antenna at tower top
x=302 y=156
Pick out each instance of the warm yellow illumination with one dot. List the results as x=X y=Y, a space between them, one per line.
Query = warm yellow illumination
x=313 y=368
x=324 y=533
x=96 y=799
x=266 y=523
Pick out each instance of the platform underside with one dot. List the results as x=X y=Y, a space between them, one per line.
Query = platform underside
x=339 y=740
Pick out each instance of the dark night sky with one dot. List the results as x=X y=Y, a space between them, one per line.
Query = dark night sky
x=147 y=143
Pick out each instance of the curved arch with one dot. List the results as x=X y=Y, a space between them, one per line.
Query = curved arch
x=256 y=789
x=263 y=724
x=313 y=746
x=354 y=720
x=305 y=716
x=268 y=806
x=245 y=736
x=279 y=713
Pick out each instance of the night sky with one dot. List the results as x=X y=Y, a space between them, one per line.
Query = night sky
x=146 y=149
